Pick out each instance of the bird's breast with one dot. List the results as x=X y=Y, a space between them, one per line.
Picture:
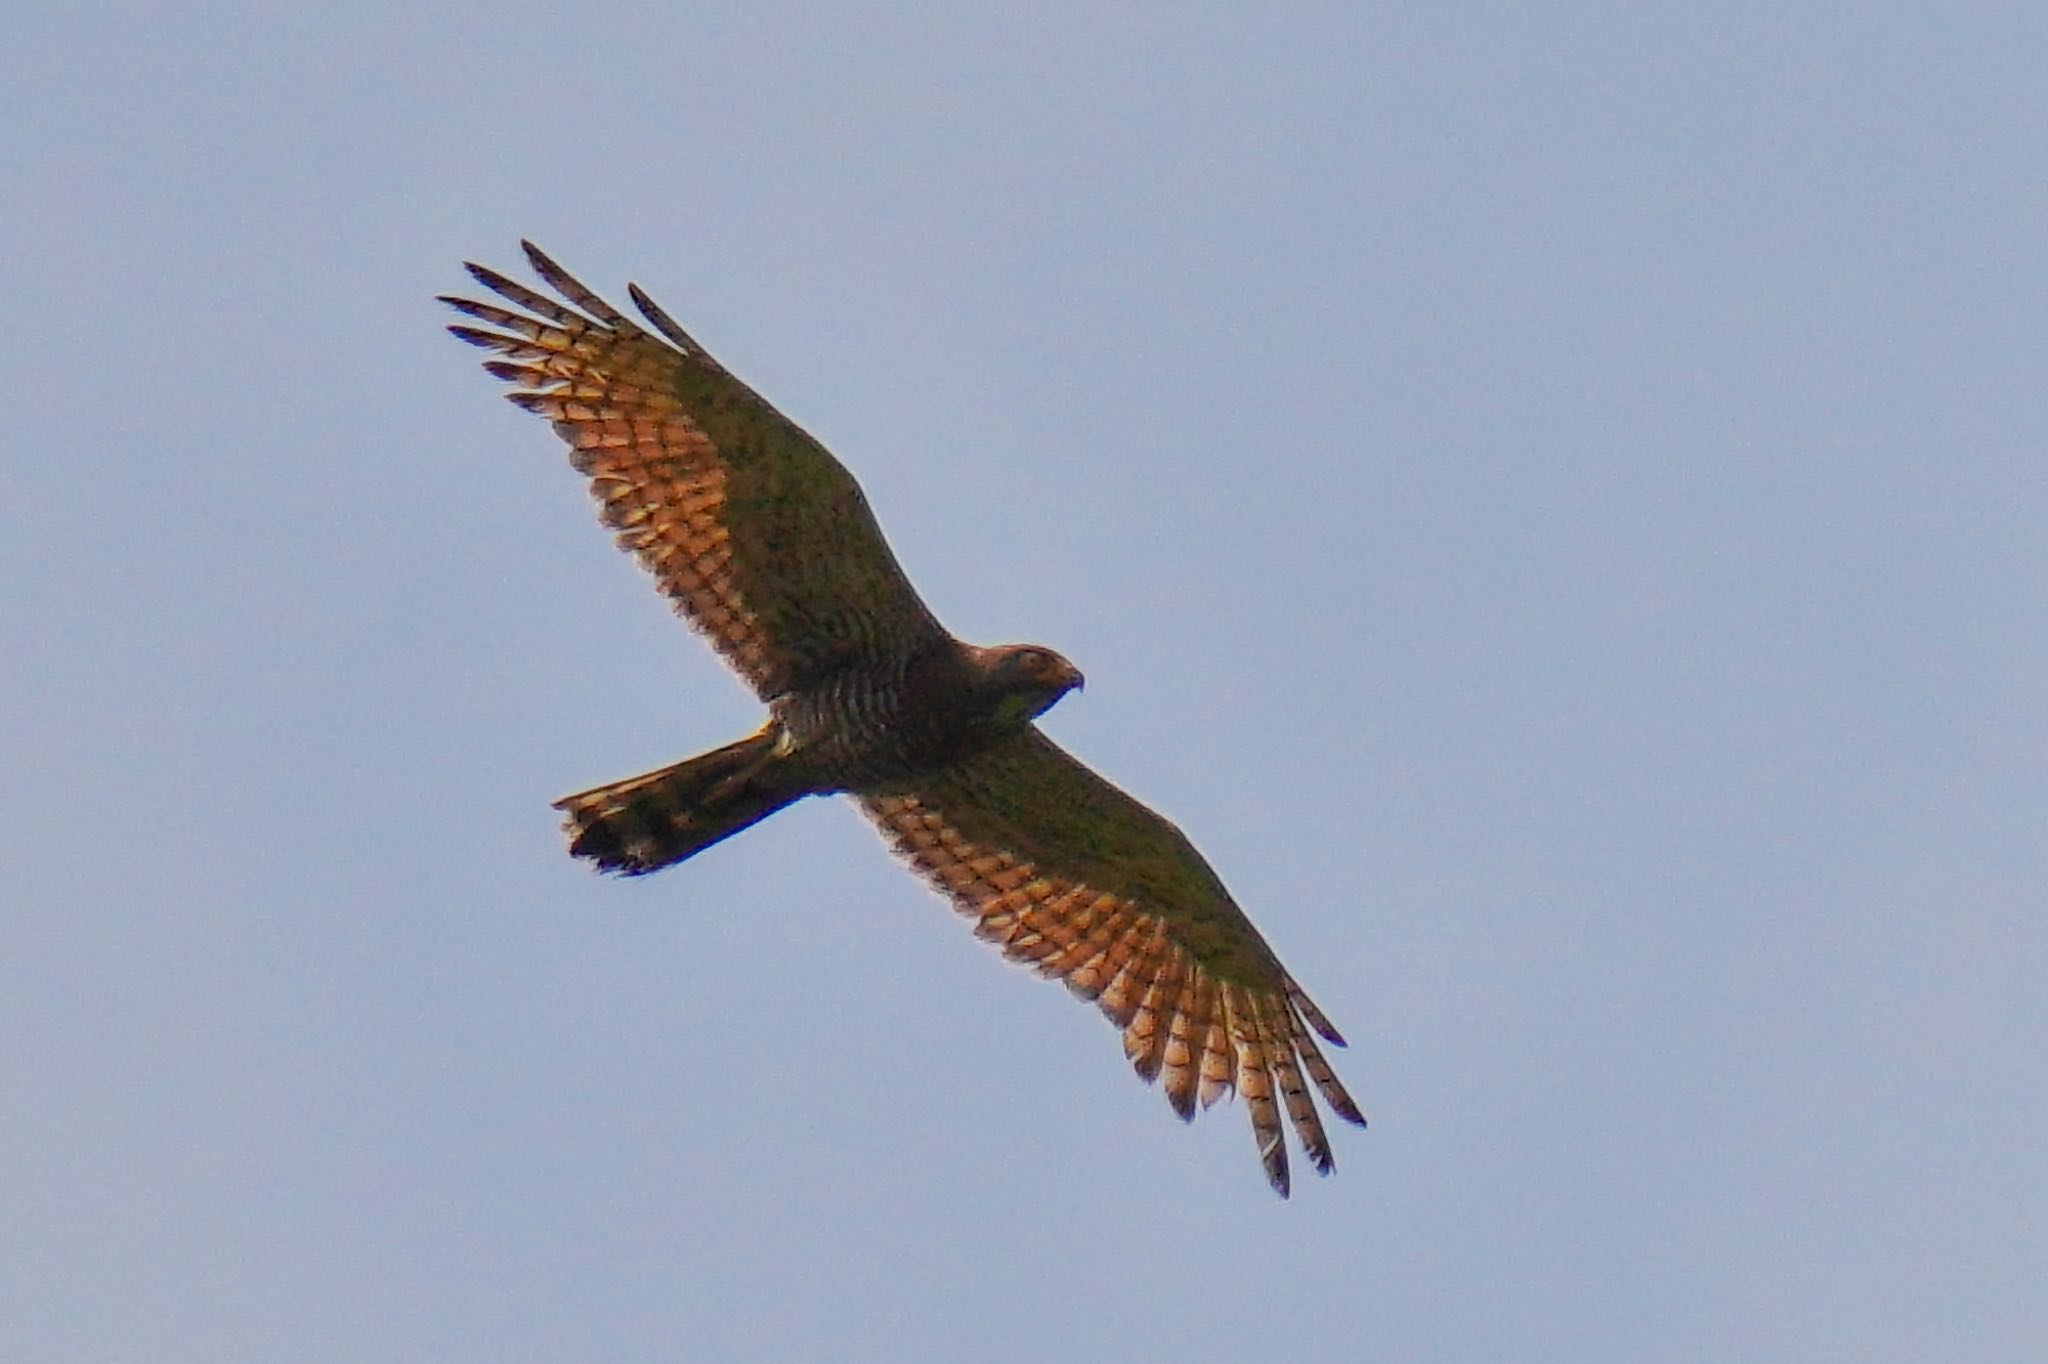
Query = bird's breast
x=864 y=726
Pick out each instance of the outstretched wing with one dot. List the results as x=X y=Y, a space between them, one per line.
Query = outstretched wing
x=1068 y=873
x=752 y=529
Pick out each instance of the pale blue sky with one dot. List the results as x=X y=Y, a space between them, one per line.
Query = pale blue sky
x=1552 y=498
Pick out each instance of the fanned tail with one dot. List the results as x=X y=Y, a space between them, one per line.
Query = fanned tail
x=656 y=820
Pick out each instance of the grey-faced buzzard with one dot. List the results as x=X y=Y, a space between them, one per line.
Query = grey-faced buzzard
x=764 y=543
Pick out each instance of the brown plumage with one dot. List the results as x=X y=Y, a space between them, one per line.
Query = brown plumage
x=764 y=543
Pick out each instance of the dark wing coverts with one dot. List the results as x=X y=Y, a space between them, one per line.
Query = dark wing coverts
x=1066 y=872
x=753 y=530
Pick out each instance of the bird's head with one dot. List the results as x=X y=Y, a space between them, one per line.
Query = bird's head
x=1023 y=681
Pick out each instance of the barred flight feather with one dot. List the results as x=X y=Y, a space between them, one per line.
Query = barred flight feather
x=1205 y=1037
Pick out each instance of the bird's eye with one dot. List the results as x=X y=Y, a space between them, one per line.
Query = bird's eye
x=1032 y=660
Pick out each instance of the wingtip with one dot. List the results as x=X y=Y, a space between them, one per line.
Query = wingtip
x=667 y=325
x=1344 y=1106
x=542 y=262
x=1273 y=1155
x=1316 y=1018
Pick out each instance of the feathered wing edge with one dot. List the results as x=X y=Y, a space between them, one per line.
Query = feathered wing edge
x=1201 y=1037
x=703 y=481
x=568 y=286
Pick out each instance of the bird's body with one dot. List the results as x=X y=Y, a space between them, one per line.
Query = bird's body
x=764 y=542
x=860 y=727
x=851 y=730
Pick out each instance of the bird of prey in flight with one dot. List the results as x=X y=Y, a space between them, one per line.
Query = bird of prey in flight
x=764 y=543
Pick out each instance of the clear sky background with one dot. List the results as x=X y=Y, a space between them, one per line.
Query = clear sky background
x=1552 y=498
